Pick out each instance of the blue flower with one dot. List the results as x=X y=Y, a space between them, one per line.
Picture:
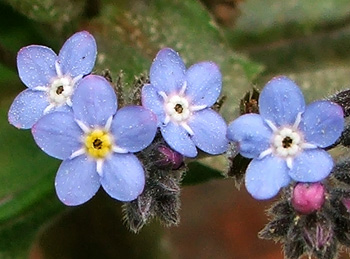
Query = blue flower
x=96 y=143
x=286 y=140
x=182 y=99
x=50 y=79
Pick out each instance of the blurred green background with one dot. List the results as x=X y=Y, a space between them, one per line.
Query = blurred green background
x=251 y=41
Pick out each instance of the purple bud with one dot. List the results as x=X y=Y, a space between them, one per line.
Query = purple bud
x=308 y=197
x=168 y=158
x=319 y=235
x=346 y=202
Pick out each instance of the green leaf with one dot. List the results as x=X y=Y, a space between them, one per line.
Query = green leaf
x=59 y=12
x=26 y=195
x=199 y=173
x=270 y=20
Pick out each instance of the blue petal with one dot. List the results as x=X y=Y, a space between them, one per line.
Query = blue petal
x=78 y=54
x=264 y=178
x=58 y=135
x=312 y=165
x=137 y=133
x=36 y=65
x=322 y=123
x=94 y=101
x=178 y=139
x=251 y=133
x=209 y=131
x=204 y=82
x=123 y=177
x=153 y=101
x=167 y=71
x=27 y=108
x=280 y=101
x=77 y=181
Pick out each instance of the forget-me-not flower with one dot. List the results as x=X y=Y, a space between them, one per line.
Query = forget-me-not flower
x=181 y=99
x=97 y=143
x=50 y=79
x=286 y=139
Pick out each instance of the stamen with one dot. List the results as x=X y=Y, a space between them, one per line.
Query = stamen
x=271 y=125
x=198 y=107
x=58 y=69
x=187 y=128
x=99 y=165
x=41 y=88
x=119 y=150
x=308 y=146
x=48 y=108
x=69 y=102
x=163 y=94
x=76 y=79
x=166 y=120
x=289 y=161
x=83 y=127
x=265 y=153
x=297 y=120
x=183 y=88
x=109 y=123
x=77 y=153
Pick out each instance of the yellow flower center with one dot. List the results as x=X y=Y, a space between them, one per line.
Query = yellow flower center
x=98 y=143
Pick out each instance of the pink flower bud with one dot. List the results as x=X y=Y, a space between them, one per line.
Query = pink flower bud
x=308 y=197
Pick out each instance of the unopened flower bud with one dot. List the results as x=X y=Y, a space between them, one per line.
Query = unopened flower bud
x=168 y=158
x=308 y=198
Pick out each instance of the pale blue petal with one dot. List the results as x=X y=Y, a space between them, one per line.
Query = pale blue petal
x=280 y=101
x=264 y=178
x=134 y=128
x=58 y=135
x=178 y=139
x=312 y=165
x=27 y=108
x=209 y=131
x=167 y=72
x=322 y=123
x=251 y=133
x=204 y=82
x=94 y=101
x=153 y=101
x=123 y=177
x=77 y=180
x=36 y=65
x=78 y=54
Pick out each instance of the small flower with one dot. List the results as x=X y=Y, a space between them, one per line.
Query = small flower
x=182 y=99
x=286 y=139
x=96 y=143
x=50 y=79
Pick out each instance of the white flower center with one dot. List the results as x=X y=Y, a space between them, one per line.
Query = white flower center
x=286 y=142
x=61 y=90
x=177 y=108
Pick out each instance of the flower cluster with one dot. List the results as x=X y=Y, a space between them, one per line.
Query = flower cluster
x=73 y=117
x=137 y=153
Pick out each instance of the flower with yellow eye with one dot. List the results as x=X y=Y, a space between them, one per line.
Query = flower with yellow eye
x=96 y=143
